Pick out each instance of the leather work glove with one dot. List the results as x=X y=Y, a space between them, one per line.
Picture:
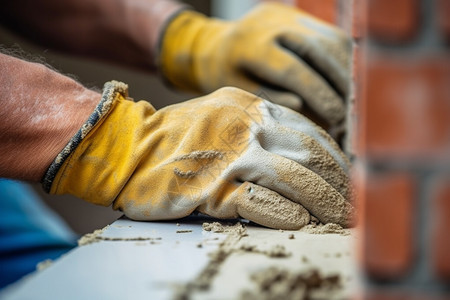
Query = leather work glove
x=227 y=154
x=293 y=57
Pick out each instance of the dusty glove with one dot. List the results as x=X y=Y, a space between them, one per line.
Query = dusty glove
x=291 y=55
x=227 y=154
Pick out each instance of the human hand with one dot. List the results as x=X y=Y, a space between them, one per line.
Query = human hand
x=298 y=60
x=227 y=154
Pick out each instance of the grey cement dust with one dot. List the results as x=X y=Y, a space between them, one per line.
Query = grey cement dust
x=209 y=155
x=216 y=227
x=319 y=198
x=269 y=283
x=44 y=264
x=329 y=228
x=203 y=281
x=92 y=237
x=275 y=251
x=198 y=155
x=268 y=208
x=314 y=220
x=96 y=236
x=213 y=227
x=277 y=283
x=187 y=174
x=322 y=163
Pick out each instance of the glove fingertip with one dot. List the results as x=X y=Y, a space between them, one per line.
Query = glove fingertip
x=268 y=208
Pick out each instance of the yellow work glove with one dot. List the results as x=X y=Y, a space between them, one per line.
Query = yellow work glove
x=292 y=56
x=227 y=154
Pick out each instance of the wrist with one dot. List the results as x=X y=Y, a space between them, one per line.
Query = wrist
x=143 y=21
x=83 y=102
x=76 y=135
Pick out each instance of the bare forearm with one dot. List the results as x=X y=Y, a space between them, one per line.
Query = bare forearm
x=41 y=111
x=123 y=31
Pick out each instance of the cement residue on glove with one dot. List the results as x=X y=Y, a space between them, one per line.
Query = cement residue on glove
x=228 y=154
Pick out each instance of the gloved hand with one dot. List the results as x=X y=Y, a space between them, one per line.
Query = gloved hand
x=291 y=55
x=227 y=154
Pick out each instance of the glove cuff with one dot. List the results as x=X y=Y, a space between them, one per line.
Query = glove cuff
x=175 y=56
x=110 y=91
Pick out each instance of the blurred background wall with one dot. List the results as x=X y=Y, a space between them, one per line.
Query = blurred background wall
x=400 y=134
x=402 y=140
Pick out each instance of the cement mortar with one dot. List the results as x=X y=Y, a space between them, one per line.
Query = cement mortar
x=261 y=263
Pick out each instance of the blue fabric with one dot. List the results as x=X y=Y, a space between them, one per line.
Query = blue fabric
x=29 y=232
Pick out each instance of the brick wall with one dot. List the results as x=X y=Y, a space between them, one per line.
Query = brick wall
x=400 y=132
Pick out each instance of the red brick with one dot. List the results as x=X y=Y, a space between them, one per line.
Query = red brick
x=406 y=108
x=441 y=234
x=443 y=13
x=393 y=21
x=326 y=10
x=386 y=209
